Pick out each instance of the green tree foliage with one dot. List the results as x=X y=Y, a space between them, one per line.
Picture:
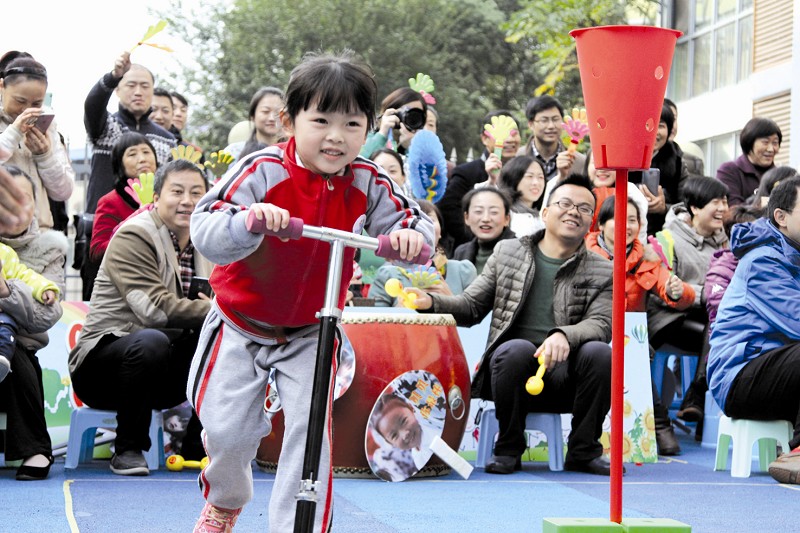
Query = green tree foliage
x=243 y=45
x=544 y=26
x=482 y=54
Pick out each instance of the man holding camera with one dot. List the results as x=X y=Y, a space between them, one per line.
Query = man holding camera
x=464 y=178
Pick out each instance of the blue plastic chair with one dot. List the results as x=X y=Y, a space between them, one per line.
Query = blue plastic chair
x=547 y=423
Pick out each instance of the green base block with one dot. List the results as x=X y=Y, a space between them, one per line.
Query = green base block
x=655 y=525
x=580 y=525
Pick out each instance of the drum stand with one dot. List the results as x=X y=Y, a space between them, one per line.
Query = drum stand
x=329 y=316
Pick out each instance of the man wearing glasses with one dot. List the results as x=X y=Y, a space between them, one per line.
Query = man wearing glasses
x=545 y=117
x=548 y=296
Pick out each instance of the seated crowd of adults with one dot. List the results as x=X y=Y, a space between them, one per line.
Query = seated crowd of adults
x=677 y=233
x=134 y=352
x=526 y=236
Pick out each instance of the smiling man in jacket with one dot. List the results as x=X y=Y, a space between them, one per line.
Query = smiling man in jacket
x=548 y=296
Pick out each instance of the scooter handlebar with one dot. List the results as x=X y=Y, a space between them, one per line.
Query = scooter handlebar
x=386 y=251
x=293 y=231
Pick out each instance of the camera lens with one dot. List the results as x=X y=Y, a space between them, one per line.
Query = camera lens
x=413 y=118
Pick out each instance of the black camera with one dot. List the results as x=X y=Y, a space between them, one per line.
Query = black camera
x=413 y=117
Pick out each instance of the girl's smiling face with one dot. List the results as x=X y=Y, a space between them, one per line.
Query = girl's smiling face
x=326 y=142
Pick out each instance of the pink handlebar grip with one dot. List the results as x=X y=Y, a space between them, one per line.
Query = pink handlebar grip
x=386 y=251
x=293 y=231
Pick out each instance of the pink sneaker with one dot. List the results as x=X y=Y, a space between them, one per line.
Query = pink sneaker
x=216 y=519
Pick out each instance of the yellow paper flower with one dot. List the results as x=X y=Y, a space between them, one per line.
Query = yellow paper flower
x=627 y=409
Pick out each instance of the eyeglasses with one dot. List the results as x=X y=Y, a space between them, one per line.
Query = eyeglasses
x=566 y=205
x=552 y=120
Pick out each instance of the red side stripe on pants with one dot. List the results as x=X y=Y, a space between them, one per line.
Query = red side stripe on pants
x=207 y=372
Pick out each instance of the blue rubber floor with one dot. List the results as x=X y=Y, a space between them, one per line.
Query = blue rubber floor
x=92 y=499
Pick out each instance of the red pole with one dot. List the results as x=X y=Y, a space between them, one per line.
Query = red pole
x=618 y=341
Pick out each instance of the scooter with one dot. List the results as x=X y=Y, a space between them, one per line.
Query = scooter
x=329 y=317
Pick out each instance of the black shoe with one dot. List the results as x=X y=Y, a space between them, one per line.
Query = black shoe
x=599 y=466
x=129 y=463
x=503 y=464
x=691 y=413
x=34 y=473
x=666 y=441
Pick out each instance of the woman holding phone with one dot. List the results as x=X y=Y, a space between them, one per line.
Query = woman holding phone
x=37 y=152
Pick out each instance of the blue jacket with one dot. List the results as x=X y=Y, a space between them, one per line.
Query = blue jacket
x=759 y=311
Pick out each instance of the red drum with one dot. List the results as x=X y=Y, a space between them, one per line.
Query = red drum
x=386 y=345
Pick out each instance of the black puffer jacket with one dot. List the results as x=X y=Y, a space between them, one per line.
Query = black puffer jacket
x=581 y=298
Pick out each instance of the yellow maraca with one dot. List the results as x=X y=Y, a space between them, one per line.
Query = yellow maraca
x=176 y=463
x=395 y=289
x=535 y=384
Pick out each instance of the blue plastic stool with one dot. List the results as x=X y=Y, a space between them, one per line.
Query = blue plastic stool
x=547 y=423
x=83 y=425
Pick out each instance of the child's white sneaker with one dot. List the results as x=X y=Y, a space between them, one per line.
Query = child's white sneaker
x=5 y=367
x=216 y=519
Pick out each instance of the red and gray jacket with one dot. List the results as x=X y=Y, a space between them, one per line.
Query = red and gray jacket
x=261 y=281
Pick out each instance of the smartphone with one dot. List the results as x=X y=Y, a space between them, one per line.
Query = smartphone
x=651 y=178
x=43 y=122
x=199 y=285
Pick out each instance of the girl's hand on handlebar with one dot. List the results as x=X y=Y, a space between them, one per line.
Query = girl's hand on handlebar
x=275 y=217
x=408 y=242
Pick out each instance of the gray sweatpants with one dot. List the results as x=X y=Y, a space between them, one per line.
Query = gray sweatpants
x=227 y=385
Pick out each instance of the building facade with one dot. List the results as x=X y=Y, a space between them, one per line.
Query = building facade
x=737 y=59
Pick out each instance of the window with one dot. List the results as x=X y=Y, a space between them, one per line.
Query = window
x=716 y=49
x=719 y=150
x=725 y=66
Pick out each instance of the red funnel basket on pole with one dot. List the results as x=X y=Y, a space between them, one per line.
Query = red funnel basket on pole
x=624 y=72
